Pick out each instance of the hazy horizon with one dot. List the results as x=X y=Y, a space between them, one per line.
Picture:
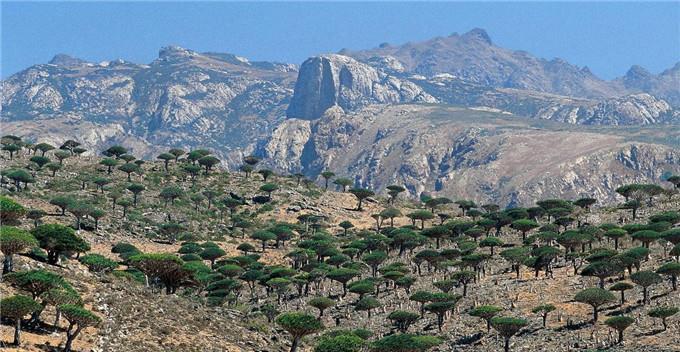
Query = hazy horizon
x=607 y=37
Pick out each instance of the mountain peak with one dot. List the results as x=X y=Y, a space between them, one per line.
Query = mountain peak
x=673 y=70
x=66 y=60
x=478 y=34
x=637 y=71
x=171 y=51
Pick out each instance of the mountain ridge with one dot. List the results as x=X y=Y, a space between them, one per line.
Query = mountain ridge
x=238 y=107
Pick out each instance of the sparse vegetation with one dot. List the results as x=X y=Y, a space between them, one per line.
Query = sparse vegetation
x=297 y=258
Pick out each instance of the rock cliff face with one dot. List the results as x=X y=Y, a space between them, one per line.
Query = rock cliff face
x=336 y=80
x=472 y=57
x=183 y=98
x=463 y=153
x=382 y=115
x=469 y=70
x=665 y=85
x=633 y=109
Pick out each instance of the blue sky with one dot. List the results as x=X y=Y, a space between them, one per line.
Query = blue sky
x=608 y=37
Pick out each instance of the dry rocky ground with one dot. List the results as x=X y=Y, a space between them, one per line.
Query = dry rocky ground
x=137 y=318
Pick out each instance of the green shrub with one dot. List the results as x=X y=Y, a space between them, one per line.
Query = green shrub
x=10 y=210
x=594 y=297
x=405 y=343
x=507 y=327
x=619 y=323
x=130 y=274
x=98 y=263
x=663 y=313
x=299 y=325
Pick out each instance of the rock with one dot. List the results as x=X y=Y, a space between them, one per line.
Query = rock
x=294 y=208
x=336 y=80
x=456 y=160
x=180 y=93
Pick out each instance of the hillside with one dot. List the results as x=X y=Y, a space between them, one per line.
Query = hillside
x=292 y=248
x=232 y=105
x=474 y=58
x=473 y=153
x=182 y=97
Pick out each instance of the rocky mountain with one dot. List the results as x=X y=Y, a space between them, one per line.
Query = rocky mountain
x=336 y=80
x=463 y=153
x=666 y=84
x=331 y=80
x=474 y=58
x=469 y=70
x=220 y=101
x=304 y=118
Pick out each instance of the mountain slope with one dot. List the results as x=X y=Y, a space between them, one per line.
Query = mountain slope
x=473 y=57
x=330 y=80
x=463 y=153
x=235 y=107
x=469 y=70
x=210 y=100
x=666 y=84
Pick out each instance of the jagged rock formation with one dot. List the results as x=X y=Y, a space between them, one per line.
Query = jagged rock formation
x=469 y=70
x=236 y=107
x=182 y=98
x=331 y=80
x=473 y=57
x=462 y=153
x=633 y=109
x=666 y=84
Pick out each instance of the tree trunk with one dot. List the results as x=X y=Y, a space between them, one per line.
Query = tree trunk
x=594 y=315
x=17 y=332
x=56 y=321
x=69 y=339
x=293 y=347
x=7 y=264
x=506 y=347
